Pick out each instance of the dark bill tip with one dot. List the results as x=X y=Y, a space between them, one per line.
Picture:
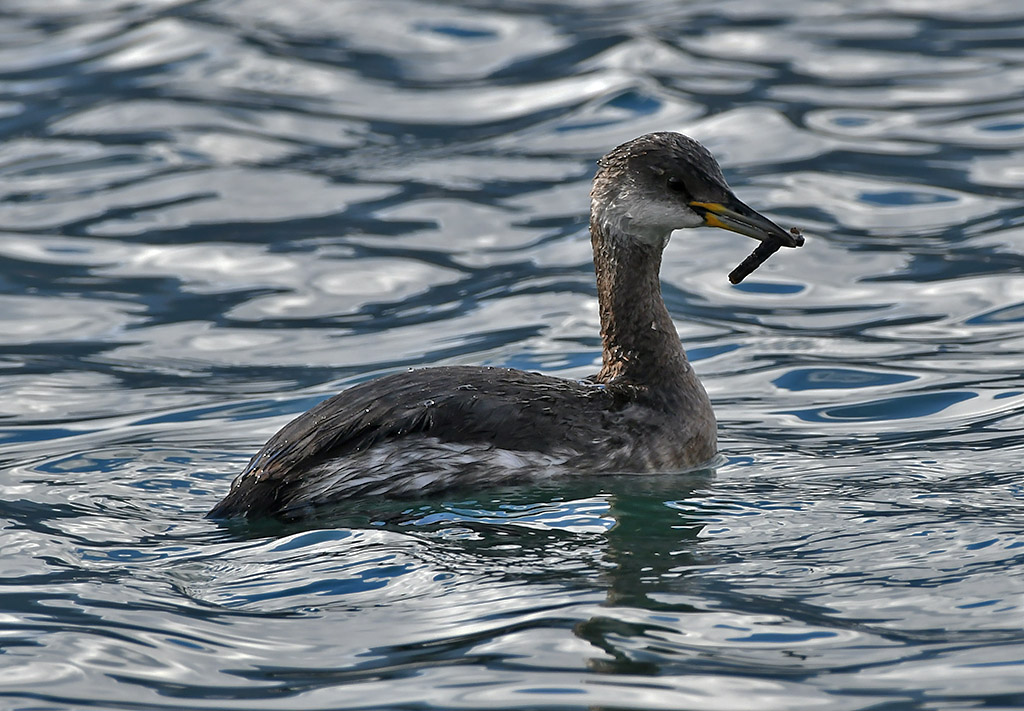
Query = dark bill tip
x=737 y=217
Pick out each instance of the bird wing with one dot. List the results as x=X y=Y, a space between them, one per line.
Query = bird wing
x=505 y=408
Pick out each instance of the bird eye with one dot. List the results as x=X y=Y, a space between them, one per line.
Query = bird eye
x=676 y=185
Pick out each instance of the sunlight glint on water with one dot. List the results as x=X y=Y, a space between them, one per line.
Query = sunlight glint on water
x=214 y=214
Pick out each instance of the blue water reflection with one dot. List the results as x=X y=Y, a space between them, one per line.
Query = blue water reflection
x=215 y=213
x=901 y=408
x=843 y=378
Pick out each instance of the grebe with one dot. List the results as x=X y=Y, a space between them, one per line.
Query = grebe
x=422 y=431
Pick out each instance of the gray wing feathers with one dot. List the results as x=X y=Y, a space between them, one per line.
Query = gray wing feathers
x=505 y=408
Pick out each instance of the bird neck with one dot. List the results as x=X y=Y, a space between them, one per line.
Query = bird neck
x=639 y=340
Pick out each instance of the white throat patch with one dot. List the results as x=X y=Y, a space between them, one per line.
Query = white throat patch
x=648 y=221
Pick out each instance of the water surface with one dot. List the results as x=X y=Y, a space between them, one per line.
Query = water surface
x=216 y=213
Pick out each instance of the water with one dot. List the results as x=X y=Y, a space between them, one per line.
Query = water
x=215 y=213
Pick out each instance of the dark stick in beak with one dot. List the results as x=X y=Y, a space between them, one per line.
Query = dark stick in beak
x=737 y=217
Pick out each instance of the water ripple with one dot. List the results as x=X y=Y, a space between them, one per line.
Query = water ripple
x=216 y=212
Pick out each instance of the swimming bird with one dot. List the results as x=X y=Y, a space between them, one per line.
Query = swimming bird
x=419 y=432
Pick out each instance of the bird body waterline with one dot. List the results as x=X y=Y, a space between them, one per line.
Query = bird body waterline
x=432 y=429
